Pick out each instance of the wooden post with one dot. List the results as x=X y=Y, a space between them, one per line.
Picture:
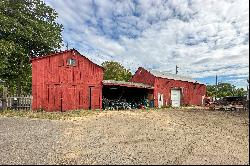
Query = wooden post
x=90 y=97
x=4 y=100
x=31 y=98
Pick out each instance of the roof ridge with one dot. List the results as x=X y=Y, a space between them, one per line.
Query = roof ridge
x=53 y=53
x=162 y=74
x=65 y=51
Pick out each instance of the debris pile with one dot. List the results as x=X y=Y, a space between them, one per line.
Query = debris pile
x=123 y=104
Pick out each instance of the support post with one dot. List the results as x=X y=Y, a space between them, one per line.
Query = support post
x=4 y=99
x=90 y=96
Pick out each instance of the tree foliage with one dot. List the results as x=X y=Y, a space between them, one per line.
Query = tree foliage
x=28 y=29
x=115 y=71
x=225 y=89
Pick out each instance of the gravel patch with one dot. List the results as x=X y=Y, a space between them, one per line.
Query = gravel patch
x=127 y=137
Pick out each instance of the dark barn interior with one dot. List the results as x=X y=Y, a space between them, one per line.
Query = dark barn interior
x=126 y=97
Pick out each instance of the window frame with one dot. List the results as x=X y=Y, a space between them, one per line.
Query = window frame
x=70 y=60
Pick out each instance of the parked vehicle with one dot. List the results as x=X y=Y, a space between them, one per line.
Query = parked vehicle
x=232 y=103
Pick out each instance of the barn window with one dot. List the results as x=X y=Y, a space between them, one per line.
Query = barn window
x=71 y=62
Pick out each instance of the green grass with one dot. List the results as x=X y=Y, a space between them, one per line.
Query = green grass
x=47 y=115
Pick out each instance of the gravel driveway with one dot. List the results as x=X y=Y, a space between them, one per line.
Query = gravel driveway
x=127 y=137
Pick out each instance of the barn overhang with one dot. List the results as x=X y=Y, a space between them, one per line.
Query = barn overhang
x=126 y=84
x=125 y=95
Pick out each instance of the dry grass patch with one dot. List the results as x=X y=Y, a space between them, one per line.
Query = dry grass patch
x=47 y=115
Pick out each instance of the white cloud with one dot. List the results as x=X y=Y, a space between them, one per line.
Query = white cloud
x=204 y=38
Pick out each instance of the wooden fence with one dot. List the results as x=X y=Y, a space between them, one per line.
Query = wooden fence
x=18 y=102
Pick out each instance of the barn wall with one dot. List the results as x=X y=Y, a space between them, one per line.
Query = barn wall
x=191 y=94
x=53 y=79
x=143 y=76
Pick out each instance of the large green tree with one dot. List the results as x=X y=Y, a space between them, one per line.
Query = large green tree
x=224 y=89
x=28 y=29
x=115 y=71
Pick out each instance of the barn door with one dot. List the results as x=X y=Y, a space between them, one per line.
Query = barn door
x=160 y=100
x=55 y=98
x=94 y=98
x=176 y=97
x=69 y=98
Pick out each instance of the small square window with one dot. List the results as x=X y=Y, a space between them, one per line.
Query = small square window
x=71 y=62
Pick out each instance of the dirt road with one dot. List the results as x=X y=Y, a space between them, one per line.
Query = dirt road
x=127 y=137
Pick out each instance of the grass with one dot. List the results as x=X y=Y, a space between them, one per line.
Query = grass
x=47 y=115
x=75 y=113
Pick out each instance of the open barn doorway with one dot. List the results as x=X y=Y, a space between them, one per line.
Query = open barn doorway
x=118 y=95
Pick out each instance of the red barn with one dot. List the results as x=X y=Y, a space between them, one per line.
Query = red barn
x=171 y=89
x=66 y=81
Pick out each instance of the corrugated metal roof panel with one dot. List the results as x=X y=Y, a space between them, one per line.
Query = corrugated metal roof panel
x=128 y=84
x=172 y=76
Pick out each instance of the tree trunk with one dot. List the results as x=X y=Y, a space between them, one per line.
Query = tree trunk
x=19 y=78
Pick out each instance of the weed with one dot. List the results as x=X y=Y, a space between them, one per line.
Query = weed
x=41 y=114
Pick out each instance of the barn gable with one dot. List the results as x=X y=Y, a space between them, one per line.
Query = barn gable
x=60 y=53
x=63 y=81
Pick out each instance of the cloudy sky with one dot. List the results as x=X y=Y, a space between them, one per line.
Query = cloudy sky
x=202 y=37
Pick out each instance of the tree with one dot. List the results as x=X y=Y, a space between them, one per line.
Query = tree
x=224 y=89
x=115 y=71
x=28 y=29
x=240 y=92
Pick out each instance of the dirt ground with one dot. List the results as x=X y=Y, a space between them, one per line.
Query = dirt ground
x=128 y=137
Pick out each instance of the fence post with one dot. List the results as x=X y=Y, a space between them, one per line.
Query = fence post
x=4 y=100
x=31 y=99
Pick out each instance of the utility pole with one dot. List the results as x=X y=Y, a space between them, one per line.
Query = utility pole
x=248 y=90
x=216 y=86
x=67 y=46
x=176 y=69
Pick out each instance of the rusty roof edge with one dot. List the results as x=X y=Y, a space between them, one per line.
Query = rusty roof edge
x=127 y=83
x=88 y=59
x=52 y=54
x=160 y=74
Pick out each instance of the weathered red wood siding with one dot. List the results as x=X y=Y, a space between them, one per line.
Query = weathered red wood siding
x=143 y=76
x=53 y=79
x=191 y=93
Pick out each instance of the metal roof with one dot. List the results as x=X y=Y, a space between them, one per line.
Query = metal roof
x=127 y=84
x=172 y=76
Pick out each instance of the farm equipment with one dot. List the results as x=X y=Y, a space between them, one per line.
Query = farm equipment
x=229 y=104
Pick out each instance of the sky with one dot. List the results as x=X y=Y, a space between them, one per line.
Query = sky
x=204 y=38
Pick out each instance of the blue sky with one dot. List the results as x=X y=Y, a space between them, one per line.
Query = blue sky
x=203 y=37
